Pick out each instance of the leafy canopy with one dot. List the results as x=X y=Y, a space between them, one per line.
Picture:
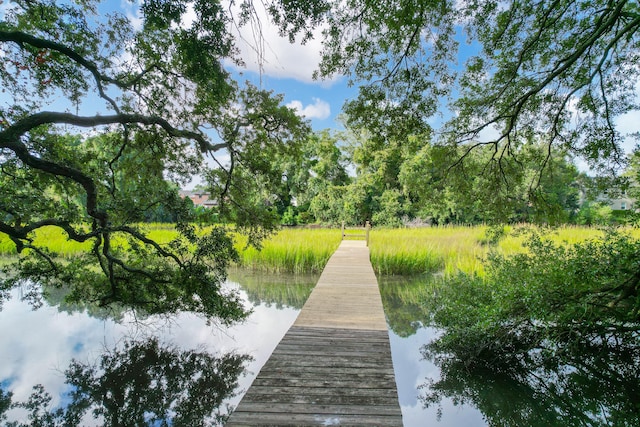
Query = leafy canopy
x=532 y=83
x=101 y=120
x=559 y=71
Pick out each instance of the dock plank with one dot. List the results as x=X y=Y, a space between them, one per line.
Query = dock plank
x=333 y=367
x=266 y=419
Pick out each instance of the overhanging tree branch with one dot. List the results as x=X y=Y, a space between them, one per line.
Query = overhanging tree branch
x=33 y=121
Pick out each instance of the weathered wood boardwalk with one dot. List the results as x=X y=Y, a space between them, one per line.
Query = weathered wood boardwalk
x=333 y=367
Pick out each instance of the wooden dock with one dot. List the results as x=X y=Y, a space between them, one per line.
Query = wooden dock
x=333 y=367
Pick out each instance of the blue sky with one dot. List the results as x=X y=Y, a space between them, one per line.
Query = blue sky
x=317 y=101
x=272 y=63
x=288 y=69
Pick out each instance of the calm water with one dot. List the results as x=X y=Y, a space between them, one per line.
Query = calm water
x=38 y=346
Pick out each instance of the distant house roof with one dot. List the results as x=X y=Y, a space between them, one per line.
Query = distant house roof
x=199 y=198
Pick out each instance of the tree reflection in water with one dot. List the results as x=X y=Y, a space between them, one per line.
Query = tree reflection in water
x=144 y=382
x=586 y=386
x=279 y=290
x=512 y=371
x=141 y=383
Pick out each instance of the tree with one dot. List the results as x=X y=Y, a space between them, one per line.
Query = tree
x=559 y=70
x=560 y=321
x=375 y=193
x=556 y=73
x=550 y=74
x=326 y=166
x=264 y=142
x=96 y=115
x=483 y=189
x=328 y=205
x=5 y=403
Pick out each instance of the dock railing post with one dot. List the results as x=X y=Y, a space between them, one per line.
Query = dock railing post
x=342 y=231
x=367 y=229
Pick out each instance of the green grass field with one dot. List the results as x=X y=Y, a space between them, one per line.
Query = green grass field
x=410 y=251
x=413 y=251
x=291 y=251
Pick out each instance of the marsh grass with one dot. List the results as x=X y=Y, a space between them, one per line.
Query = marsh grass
x=447 y=250
x=414 y=251
x=288 y=251
x=406 y=252
x=54 y=239
x=7 y=247
x=57 y=241
x=295 y=251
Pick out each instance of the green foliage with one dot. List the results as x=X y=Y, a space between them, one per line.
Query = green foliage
x=324 y=166
x=289 y=217
x=544 y=82
x=493 y=235
x=390 y=211
x=319 y=179
x=190 y=282
x=449 y=185
x=594 y=214
x=267 y=145
x=562 y=320
x=350 y=204
x=327 y=206
x=152 y=94
x=5 y=403
x=398 y=181
x=555 y=72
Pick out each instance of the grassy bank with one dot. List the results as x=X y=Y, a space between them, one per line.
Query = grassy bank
x=291 y=251
x=393 y=251
x=450 y=249
x=288 y=251
x=425 y=250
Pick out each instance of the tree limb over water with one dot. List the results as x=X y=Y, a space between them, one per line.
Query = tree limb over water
x=150 y=102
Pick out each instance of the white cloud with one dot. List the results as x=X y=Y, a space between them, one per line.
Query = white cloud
x=628 y=123
x=189 y=17
x=133 y=13
x=263 y=50
x=489 y=133
x=318 y=110
x=55 y=338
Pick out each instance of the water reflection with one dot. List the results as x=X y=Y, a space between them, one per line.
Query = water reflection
x=591 y=383
x=282 y=290
x=80 y=356
x=403 y=300
x=141 y=383
x=135 y=370
x=407 y=315
x=581 y=385
x=411 y=371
